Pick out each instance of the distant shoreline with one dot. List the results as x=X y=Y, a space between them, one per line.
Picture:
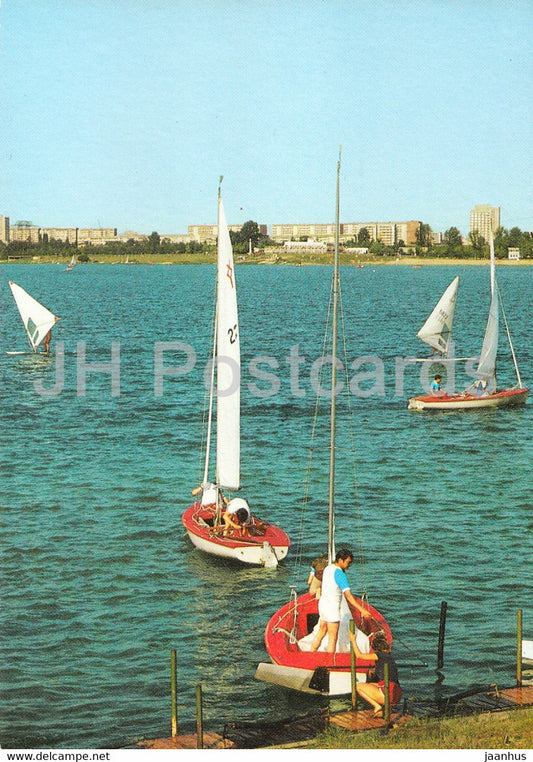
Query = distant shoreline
x=282 y=260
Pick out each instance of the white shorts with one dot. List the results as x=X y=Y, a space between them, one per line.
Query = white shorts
x=329 y=611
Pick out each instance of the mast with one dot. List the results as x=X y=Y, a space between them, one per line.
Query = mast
x=331 y=500
x=212 y=385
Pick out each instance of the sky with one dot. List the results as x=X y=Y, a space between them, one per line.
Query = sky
x=124 y=113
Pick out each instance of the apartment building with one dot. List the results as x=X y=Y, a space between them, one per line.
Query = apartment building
x=24 y=232
x=316 y=232
x=482 y=218
x=28 y=233
x=209 y=233
x=389 y=233
x=4 y=229
x=80 y=236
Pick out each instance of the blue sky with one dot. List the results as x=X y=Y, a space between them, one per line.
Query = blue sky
x=123 y=113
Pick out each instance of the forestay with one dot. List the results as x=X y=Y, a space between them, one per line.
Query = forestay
x=228 y=363
x=437 y=329
x=36 y=318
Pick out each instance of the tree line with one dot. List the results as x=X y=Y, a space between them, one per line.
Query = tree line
x=452 y=244
x=249 y=237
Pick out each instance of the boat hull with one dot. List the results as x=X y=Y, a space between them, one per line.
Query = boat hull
x=266 y=545
x=318 y=671
x=503 y=398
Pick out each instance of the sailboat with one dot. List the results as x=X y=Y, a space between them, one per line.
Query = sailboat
x=291 y=629
x=258 y=542
x=483 y=392
x=36 y=318
x=437 y=330
x=72 y=264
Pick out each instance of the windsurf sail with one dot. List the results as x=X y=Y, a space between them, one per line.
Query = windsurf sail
x=36 y=318
x=437 y=330
x=228 y=363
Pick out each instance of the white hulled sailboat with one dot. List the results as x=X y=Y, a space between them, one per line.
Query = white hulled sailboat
x=258 y=542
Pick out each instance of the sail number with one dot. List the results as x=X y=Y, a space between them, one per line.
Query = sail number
x=233 y=335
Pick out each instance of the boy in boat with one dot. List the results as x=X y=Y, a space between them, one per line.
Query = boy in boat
x=314 y=579
x=436 y=390
x=236 y=518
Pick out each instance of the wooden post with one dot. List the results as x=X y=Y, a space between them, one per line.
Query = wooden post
x=353 y=667
x=174 y=693
x=440 y=655
x=519 y=647
x=199 y=719
x=386 y=691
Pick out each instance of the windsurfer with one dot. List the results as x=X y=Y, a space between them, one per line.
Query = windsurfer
x=334 y=586
x=46 y=342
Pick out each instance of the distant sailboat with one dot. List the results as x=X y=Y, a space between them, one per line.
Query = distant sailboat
x=36 y=318
x=261 y=543
x=437 y=330
x=72 y=263
x=483 y=392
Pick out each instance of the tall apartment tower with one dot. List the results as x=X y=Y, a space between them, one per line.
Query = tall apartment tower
x=482 y=218
x=4 y=229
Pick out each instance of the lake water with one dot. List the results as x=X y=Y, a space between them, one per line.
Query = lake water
x=99 y=581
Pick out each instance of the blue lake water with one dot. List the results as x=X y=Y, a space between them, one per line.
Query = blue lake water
x=99 y=581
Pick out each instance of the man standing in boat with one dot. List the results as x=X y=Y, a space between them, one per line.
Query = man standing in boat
x=334 y=586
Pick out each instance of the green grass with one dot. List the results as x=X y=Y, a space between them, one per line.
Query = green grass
x=500 y=730
x=282 y=258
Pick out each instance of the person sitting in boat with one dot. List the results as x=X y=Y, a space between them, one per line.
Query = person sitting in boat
x=435 y=386
x=210 y=495
x=373 y=691
x=334 y=586
x=314 y=580
x=236 y=518
x=480 y=388
x=46 y=342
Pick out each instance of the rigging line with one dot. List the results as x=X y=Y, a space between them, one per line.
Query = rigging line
x=297 y=563
x=358 y=515
x=509 y=339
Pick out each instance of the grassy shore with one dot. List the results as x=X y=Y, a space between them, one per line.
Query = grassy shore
x=500 y=730
x=283 y=258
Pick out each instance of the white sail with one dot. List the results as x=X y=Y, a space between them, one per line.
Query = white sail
x=486 y=369
x=36 y=318
x=228 y=363
x=437 y=329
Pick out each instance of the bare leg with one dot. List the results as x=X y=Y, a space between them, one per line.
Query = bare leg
x=319 y=637
x=333 y=631
x=372 y=693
